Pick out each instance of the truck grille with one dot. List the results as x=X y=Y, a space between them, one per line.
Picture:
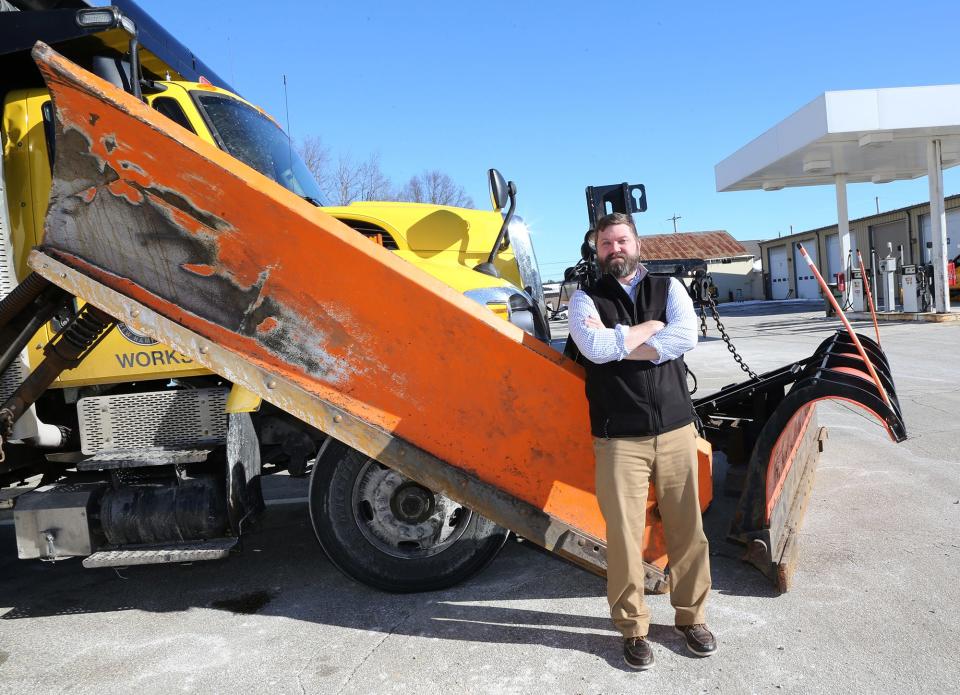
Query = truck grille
x=12 y=378
x=17 y=371
x=182 y=419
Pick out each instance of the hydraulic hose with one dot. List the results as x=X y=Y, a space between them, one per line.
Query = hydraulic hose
x=21 y=296
x=65 y=351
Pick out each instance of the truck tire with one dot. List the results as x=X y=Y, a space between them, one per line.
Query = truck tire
x=384 y=530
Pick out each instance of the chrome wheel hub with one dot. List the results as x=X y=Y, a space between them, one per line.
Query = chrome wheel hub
x=402 y=518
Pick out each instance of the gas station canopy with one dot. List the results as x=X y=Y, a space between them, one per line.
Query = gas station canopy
x=869 y=135
x=865 y=135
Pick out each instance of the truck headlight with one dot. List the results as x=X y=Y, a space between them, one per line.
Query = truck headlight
x=507 y=303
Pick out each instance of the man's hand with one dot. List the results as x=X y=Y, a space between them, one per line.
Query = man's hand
x=641 y=333
x=593 y=322
x=643 y=353
x=657 y=326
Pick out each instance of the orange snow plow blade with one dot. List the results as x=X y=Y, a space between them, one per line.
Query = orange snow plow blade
x=188 y=245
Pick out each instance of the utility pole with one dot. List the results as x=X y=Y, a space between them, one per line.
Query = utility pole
x=876 y=199
x=674 y=220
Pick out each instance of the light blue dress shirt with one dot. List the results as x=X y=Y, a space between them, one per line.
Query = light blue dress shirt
x=600 y=345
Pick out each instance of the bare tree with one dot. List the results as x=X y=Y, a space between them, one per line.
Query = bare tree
x=347 y=181
x=316 y=156
x=433 y=186
x=372 y=183
x=351 y=181
x=342 y=187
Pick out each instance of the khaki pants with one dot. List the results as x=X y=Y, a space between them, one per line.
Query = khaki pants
x=625 y=468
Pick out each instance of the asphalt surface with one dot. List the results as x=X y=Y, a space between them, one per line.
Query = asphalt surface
x=874 y=609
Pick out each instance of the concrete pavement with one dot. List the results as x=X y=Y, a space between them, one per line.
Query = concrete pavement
x=875 y=606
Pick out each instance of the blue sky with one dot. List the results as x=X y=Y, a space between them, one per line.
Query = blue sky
x=562 y=95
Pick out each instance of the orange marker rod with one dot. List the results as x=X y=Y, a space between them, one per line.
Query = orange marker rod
x=846 y=323
x=873 y=313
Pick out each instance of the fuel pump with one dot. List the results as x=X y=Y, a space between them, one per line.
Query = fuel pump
x=843 y=283
x=925 y=279
x=858 y=300
x=888 y=270
x=841 y=290
x=912 y=288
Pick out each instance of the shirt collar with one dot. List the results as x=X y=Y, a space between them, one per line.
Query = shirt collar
x=641 y=273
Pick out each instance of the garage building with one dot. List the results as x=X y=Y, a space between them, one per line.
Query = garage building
x=786 y=276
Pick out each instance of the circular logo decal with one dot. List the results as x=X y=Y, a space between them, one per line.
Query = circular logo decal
x=135 y=336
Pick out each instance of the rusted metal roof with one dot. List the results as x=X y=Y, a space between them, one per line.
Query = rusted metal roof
x=705 y=245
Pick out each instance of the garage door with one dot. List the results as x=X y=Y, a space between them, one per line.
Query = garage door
x=807 y=285
x=779 y=273
x=833 y=258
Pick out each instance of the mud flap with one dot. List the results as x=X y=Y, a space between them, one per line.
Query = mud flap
x=244 y=494
x=783 y=461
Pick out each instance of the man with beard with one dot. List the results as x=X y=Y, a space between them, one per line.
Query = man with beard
x=633 y=329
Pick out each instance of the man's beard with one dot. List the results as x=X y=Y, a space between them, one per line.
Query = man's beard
x=620 y=265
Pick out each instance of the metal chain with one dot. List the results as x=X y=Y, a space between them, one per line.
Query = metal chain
x=723 y=334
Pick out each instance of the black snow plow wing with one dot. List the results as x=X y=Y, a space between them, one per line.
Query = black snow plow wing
x=776 y=430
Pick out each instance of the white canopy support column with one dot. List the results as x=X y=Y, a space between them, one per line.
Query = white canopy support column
x=843 y=224
x=938 y=227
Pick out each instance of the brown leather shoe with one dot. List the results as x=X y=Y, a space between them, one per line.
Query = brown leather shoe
x=700 y=640
x=637 y=653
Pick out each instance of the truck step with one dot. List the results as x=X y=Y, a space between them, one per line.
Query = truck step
x=191 y=551
x=142 y=458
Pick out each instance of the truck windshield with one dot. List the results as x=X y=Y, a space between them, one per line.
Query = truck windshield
x=258 y=142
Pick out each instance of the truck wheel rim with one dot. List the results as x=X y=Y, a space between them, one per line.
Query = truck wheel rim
x=402 y=518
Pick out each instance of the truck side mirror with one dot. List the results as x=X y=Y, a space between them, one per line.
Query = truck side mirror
x=499 y=192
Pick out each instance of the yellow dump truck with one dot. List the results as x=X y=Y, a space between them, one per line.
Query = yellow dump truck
x=429 y=407
x=142 y=407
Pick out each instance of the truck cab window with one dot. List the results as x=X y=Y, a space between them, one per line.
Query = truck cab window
x=169 y=107
x=257 y=141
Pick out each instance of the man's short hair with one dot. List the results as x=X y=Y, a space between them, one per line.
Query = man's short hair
x=616 y=218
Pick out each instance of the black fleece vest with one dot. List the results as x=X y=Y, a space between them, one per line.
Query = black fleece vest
x=635 y=398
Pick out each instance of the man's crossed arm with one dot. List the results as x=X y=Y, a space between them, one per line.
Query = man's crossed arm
x=650 y=340
x=634 y=338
